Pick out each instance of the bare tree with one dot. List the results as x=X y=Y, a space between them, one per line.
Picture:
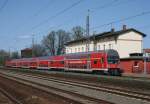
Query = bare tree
x=77 y=32
x=39 y=50
x=55 y=41
x=3 y=57
x=62 y=38
x=15 y=55
x=49 y=42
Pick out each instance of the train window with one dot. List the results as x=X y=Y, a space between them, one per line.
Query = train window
x=113 y=59
x=95 y=61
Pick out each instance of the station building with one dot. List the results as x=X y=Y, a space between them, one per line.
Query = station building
x=125 y=41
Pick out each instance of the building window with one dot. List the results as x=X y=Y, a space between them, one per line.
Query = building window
x=99 y=47
x=82 y=49
x=104 y=47
x=109 y=46
x=71 y=50
x=78 y=49
x=95 y=47
x=75 y=49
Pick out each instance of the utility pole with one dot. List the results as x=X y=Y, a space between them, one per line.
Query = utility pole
x=32 y=45
x=88 y=40
x=87 y=32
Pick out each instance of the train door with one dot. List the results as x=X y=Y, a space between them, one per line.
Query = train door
x=89 y=61
x=88 y=64
x=95 y=62
x=102 y=62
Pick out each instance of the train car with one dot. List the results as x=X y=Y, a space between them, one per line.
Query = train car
x=19 y=63
x=14 y=63
x=100 y=62
x=57 y=62
x=51 y=62
x=32 y=63
x=106 y=61
x=25 y=63
x=8 y=63
x=43 y=62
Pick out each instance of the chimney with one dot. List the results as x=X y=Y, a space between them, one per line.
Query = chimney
x=112 y=30
x=124 y=27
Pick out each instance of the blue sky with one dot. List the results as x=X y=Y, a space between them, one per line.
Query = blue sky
x=19 y=19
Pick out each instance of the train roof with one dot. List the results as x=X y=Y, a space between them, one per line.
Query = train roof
x=110 y=52
x=40 y=58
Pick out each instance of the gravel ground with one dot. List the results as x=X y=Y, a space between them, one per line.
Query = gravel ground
x=4 y=99
x=29 y=95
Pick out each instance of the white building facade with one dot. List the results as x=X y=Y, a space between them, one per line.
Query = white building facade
x=125 y=41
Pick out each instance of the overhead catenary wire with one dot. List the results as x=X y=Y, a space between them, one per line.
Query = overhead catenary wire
x=43 y=8
x=93 y=10
x=3 y=5
x=57 y=14
x=120 y=20
x=116 y=21
x=103 y=6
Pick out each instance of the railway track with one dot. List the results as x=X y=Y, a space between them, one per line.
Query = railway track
x=143 y=98
x=81 y=99
x=10 y=97
x=127 y=93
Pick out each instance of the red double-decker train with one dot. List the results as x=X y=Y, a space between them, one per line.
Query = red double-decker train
x=99 y=62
